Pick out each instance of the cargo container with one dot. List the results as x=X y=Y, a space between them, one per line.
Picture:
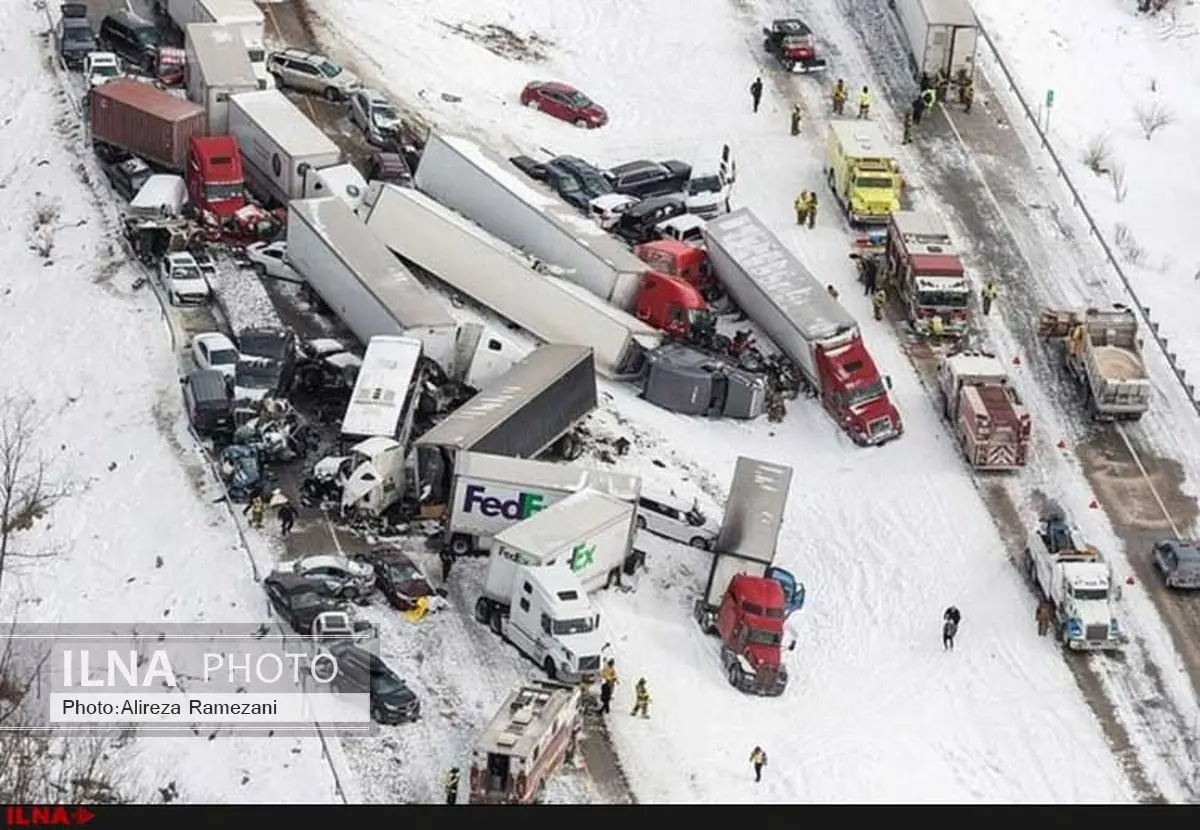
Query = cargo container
x=145 y=121
x=942 y=35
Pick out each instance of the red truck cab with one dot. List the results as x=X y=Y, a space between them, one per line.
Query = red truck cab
x=750 y=625
x=854 y=393
x=673 y=305
x=214 y=175
x=678 y=259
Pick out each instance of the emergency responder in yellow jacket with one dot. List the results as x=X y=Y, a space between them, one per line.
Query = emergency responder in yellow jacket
x=608 y=683
x=811 y=208
x=936 y=327
x=641 y=704
x=758 y=759
x=797 y=112
x=988 y=296
x=451 y=786
x=840 y=94
x=864 y=103
x=801 y=206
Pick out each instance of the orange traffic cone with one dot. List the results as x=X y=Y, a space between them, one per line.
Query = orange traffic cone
x=1016 y=361
x=1062 y=443
x=1094 y=505
x=1130 y=581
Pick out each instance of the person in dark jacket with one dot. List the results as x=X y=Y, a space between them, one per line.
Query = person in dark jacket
x=756 y=92
x=447 y=563
x=918 y=108
x=950 y=620
x=608 y=683
x=758 y=759
x=869 y=272
x=451 y=786
x=287 y=518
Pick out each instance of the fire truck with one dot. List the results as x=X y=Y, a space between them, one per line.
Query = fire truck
x=922 y=265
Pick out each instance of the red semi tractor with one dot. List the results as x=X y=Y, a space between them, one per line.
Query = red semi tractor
x=810 y=327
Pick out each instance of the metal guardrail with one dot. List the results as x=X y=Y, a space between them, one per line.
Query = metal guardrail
x=1093 y=228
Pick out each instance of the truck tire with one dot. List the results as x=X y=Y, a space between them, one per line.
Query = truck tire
x=460 y=544
x=483 y=611
x=550 y=669
x=700 y=542
x=332 y=95
x=496 y=623
x=734 y=673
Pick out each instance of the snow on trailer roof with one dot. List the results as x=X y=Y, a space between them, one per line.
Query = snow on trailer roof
x=412 y=303
x=553 y=528
x=524 y=718
x=221 y=51
x=779 y=274
x=277 y=116
x=584 y=230
x=754 y=510
x=950 y=12
x=550 y=475
x=387 y=372
x=468 y=424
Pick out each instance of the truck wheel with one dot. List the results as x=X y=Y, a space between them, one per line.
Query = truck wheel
x=734 y=673
x=483 y=611
x=496 y=623
x=699 y=542
x=581 y=124
x=332 y=95
x=549 y=668
x=460 y=544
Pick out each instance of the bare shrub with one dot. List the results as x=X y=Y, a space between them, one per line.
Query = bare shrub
x=1098 y=155
x=1116 y=175
x=1152 y=117
x=1129 y=247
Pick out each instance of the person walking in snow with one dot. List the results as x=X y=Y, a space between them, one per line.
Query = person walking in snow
x=840 y=94
x=1044 y=616
x=868 y=268
x=811 y=208
x=756 y=92
x=941 y=83
x=864 y=103
x=966 y=95
x=256 y=509
x=447 y=563
x=988 y=296
x=950 y=620
x=833 y=292
x=918 y=108
x=797 y=112
x=758 y=760
x=287 y=518
x=801 y=205
x=878 y=301
x=451 y=786
x=608 y=684
x=641 y=703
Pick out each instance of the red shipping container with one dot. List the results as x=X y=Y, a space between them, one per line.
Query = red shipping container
x=146 y=121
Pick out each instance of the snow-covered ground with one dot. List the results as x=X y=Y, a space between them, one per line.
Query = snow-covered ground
x=139 y=538
x=884 y=539
x=1123 y=105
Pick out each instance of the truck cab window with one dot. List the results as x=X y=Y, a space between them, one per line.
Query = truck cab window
x=545 y=622
x=524 y=604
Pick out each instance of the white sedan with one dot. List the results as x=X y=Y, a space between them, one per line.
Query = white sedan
x=269 y=259
x=183 y=280
x=341 y=576
x=213 y=350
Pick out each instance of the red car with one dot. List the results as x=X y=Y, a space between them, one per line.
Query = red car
x=565 y=103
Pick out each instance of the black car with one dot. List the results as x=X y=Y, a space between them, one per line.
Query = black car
x=530 y=167
x=649 y=178
x=591 y=179
x=298 y=600
x=275 y=344
x=126 y=173
x=636 y=225
x=75 y=36
x=565 y=185
x=209 y=402
x=361 y=672
x=132 y=37
x=399 y=578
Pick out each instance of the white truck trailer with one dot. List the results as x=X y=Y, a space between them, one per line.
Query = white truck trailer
x=489 y=191
x=1078 y=584
x=243 y=15
x=471 y=261
x=217 y=69
x=373 y=293
x=588 y=533
x=941 y=34
x=286 y=155
x=490 y=493
x=1103 y=352
x=521 y=414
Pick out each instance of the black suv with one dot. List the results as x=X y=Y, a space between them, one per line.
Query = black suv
x=649 y=178
x=278 y=345
x=591 y=179
x=361 y=672
x=636 y=225
x=75 y=36
x=133 y=38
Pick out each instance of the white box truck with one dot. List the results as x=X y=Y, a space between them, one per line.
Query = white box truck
x=489 y=191
x=500 y=278
x=217 y=69
x=285 y=155
x=941 y=34
x=243 y=15
x=490 y=493
x=360 y=280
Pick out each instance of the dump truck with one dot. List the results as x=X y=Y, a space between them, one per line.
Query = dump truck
x=942 y=35
x=746 y=599
x=921 y=262
x=984 y=411
x=148 y=122
x=862 y=171
x=1103 y=352
x=811 y=328
x=1078 y=583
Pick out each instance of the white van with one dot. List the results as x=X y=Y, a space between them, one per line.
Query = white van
x=675 y=514
x=708 y=190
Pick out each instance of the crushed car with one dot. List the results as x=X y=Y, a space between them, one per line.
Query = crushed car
x=242 y=471
x=341 y=576
x=401 y=581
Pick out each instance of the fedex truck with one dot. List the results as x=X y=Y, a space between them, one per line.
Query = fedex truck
x=491 y=493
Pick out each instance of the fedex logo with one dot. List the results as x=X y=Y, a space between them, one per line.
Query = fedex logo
x=523 y=506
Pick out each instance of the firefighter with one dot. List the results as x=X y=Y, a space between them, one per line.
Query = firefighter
x=966 y=95
x=608 y=682
x=758 y=759
x=811 y=207
x=641 y=704
x=864 y=103
x=839 y=97
x=796 y=114
x=988 y=296
x=936 y=327
x=256 y=509
x=833 y=292
x=918 y=108
x=1044 y=616
x=451 y=786
x=941 y=83
x=908 y=124
x=878 y=301
x=802 y=207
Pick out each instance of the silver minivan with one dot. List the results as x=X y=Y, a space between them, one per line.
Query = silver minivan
x=664 y=512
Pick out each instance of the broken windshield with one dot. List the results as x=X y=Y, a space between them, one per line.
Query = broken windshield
x=578 y=625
